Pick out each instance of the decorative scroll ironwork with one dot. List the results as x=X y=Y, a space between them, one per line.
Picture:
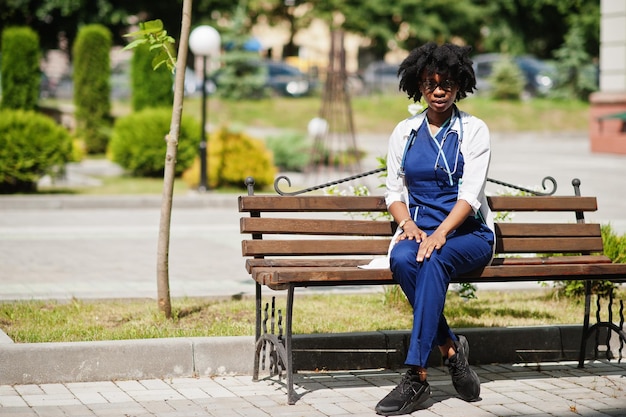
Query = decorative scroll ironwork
x=517 y=187
x=610 y=327
x=319 y=187
x=546 y=191
x=270 y=345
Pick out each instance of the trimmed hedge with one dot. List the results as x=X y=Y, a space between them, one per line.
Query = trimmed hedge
x=151 y=88
x=92 y=86
x=21 y=76
x=31 y=146
x=138 y=142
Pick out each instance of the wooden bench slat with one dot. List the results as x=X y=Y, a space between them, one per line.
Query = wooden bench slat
x=542 y=203
x=548 y=229
x=324 y=275
x=549 y=245
x=321 y=275
x=311 y=203
x=252 y=263
x=315 y=226
x=298 y=247
x=350 y=275
x=377 y=203
x=552 y=260
x=351 y=262
x=605 y=271
x=275 y=225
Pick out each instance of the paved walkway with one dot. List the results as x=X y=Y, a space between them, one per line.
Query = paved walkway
x=548 y=389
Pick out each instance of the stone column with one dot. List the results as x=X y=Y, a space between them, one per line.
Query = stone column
x=607 y=125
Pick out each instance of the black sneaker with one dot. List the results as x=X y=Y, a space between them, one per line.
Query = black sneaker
x=464 y=379
x=406 y=397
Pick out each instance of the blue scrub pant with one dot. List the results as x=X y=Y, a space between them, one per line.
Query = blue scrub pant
x=425 y=285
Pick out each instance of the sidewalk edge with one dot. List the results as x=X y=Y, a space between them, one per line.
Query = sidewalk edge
x=40 y=363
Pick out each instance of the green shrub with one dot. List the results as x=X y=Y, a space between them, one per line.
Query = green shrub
x=291 y=151
x=240 y=76
x=20 y=68
x=151 y=88
x=614 y=245
x=576 y=74
x=31 y=145
x=92 y=88
x=138 y=142
x=232 y=157
x=507 y=80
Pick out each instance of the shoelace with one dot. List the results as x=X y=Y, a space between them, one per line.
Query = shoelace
x=407 y=384
x=457 y=368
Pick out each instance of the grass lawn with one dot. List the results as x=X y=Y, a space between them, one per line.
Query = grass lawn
x=80 y=320
x=380 y=113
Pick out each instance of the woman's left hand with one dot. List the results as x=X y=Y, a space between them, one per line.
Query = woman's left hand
x=412 y=232
x=429 y=245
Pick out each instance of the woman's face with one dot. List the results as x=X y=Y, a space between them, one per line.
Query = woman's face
x=438 y=91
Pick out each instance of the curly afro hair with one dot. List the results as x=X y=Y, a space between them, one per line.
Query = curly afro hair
x=429 y=59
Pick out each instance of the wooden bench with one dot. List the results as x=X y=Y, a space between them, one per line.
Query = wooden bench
x=318 y=240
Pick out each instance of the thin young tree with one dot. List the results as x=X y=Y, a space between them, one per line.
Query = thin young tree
x=153 y=33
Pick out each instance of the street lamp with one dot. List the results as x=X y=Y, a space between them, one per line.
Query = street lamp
x=204 y=41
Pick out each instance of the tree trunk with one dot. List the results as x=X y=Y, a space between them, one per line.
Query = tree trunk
x=163 y=284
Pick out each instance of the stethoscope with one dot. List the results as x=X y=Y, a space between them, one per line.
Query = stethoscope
x=441 y=155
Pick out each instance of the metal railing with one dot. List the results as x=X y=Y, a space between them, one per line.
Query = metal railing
x=280 y=178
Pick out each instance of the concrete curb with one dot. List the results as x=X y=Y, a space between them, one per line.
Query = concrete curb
x=40 y=363
x=4 y=338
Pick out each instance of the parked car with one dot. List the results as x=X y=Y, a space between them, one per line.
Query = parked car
x=281 y=78
x=287 y=80
x=380 y=77
x=539 y=74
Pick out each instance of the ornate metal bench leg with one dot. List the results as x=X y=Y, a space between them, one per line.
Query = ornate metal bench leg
x=272 y=346
x=585 y=332
x=292 y=396
x=257 y=333
x=599 y=324
x=609 y=354
x=622 y=339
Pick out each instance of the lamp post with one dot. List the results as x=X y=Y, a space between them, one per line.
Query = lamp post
x=204 y=41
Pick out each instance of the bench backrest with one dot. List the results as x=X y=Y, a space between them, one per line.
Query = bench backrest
x=348 y=225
